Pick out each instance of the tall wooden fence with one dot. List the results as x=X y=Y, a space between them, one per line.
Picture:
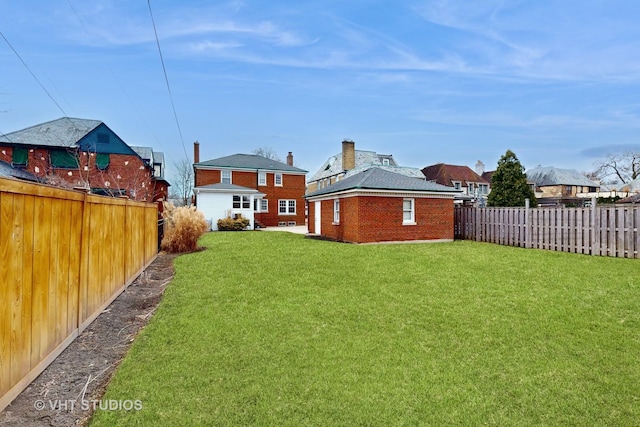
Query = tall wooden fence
x=597 y=230
x=64 y=257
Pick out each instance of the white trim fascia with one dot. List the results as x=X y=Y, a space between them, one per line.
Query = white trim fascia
x=385 y=193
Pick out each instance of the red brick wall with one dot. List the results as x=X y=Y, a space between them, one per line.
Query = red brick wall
x=125 y=172
x=379 y=219
x=293 y=188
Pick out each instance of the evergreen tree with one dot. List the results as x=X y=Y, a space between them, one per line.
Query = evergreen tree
x=509 y=184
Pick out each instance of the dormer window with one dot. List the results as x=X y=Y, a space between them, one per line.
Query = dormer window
x=456 y=184
x=385 y=162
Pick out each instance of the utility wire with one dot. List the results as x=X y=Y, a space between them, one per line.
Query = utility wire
x=64 y=114
x=33 y=75
x=166 y=78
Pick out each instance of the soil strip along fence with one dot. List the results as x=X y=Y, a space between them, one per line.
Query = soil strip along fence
x=64 y=257
x=597 y=230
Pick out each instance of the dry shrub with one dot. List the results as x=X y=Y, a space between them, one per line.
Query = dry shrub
x=233 y=224
x=183 y=227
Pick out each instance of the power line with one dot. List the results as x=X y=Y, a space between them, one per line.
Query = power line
x=33 y=75
x=166 y=78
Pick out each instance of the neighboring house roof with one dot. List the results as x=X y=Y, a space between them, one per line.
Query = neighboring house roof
x=333 y=165
x=488 y=175
x=227 y=188
x=8 y=171
x=547 y=176
x=248 y=161
x=445 y=174
x=402 y=170
x=63 y=132
x=146 y=153
x=376 y=178
x=631 y=199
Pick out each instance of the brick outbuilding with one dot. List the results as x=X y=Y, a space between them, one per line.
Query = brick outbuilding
x=380 y=206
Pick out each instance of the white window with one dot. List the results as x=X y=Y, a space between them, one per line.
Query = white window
x=225 y=177
x=483 y=188
x=264 y=205
x=277 y=179
x=262 y=178
x=241 y=202
x=470 y=188
x=336 y=211
x=385 y=162
x=408 y=211
x=287 y=207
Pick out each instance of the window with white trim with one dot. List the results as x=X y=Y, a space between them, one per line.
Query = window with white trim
x=456 y=185
x=264 y=205
x=241 y=202
x=286 y=207
x=408 y=211
x=385 y=162
x=225 y=177
x=262 y=178
x=470 y=188
x=277 y=179
x=483 y=189
x=336 y=211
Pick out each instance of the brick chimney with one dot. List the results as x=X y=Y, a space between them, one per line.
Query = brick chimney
x=196 y=152
x=290 y=158
x=348 y=155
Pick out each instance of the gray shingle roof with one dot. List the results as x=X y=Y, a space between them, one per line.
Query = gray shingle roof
x=333 y=165
x=63 y=132
x=376 y=178
x=8 y=171
x=544 y=176
x=249 y=161
x=145 y=152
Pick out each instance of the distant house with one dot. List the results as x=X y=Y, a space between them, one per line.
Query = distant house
x=155 y=159
x=351 y=161
x=81 y=154
x=268 y=192
x=473 y=187
x=376 y=205
x=556 y=186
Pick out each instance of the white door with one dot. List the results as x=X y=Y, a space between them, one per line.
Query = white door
x=316 y=215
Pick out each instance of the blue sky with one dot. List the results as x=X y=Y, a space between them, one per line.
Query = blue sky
x=557 y=82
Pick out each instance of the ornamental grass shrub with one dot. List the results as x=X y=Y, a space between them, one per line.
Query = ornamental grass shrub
x=233 y=224
x=183 y=226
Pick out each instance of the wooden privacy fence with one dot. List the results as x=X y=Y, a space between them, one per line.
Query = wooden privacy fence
x=64 y=257
x=611 y=230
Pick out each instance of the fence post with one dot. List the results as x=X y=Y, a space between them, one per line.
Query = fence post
x=527 y=225
x=595 y=229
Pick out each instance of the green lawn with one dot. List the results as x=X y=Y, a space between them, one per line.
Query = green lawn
x=273 y=329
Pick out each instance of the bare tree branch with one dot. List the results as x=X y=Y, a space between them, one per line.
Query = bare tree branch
x=182 y=187
x=267 y=152
x=622 y=168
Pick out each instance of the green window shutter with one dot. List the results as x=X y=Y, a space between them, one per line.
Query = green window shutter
x=63 y=159
x=102 y=161
x=20 y=156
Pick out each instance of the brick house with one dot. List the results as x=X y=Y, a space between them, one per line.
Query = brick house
x=270 y=191
x=80 y=154
x=377 y=205
x=474 y=188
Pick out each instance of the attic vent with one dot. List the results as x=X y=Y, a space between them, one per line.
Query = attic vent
x=103 y=138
